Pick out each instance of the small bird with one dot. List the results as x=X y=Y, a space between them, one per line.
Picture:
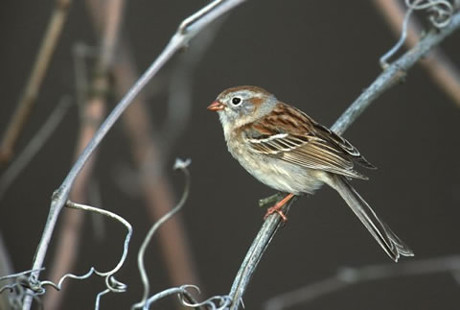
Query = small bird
x=287 y=150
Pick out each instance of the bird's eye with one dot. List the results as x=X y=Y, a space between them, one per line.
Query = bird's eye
x=236 y=100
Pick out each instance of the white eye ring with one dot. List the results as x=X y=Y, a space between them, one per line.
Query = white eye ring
x=236 y=100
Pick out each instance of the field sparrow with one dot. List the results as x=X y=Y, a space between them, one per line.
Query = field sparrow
x=287 y=150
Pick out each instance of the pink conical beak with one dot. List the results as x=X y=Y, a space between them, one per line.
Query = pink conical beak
x=216 y=106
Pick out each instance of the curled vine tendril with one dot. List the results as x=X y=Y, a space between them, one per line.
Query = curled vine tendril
x=26 y=283
x=439 y=14
x=439 y=11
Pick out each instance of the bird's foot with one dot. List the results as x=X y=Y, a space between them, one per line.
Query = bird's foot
x=277 y=208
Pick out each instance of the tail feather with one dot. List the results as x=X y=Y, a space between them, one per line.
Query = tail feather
x=387 y=239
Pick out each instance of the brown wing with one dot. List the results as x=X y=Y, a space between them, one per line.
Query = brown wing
x=291 y=135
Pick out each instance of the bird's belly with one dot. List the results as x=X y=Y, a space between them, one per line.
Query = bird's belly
x=278 y=174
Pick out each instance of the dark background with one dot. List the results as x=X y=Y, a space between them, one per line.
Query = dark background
x=316 y=55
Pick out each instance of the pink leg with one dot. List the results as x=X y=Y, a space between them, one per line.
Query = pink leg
x=277 y=207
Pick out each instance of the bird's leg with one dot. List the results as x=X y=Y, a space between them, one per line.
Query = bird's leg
x=277 y=208
x=270 y=201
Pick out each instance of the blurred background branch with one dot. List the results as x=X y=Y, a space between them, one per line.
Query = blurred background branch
x=349 y=276
x=34 y=145
x=32 y=88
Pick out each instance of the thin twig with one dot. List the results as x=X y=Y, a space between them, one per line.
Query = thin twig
x=383 y=82
x=34 y=145
x=186 y=32
x=348 y=276
x=27 y=100
x=183 y=165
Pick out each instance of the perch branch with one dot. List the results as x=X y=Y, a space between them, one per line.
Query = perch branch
x=254 y=255
x=388 y=78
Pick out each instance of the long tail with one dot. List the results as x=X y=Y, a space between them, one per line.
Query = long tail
x=387 y=239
